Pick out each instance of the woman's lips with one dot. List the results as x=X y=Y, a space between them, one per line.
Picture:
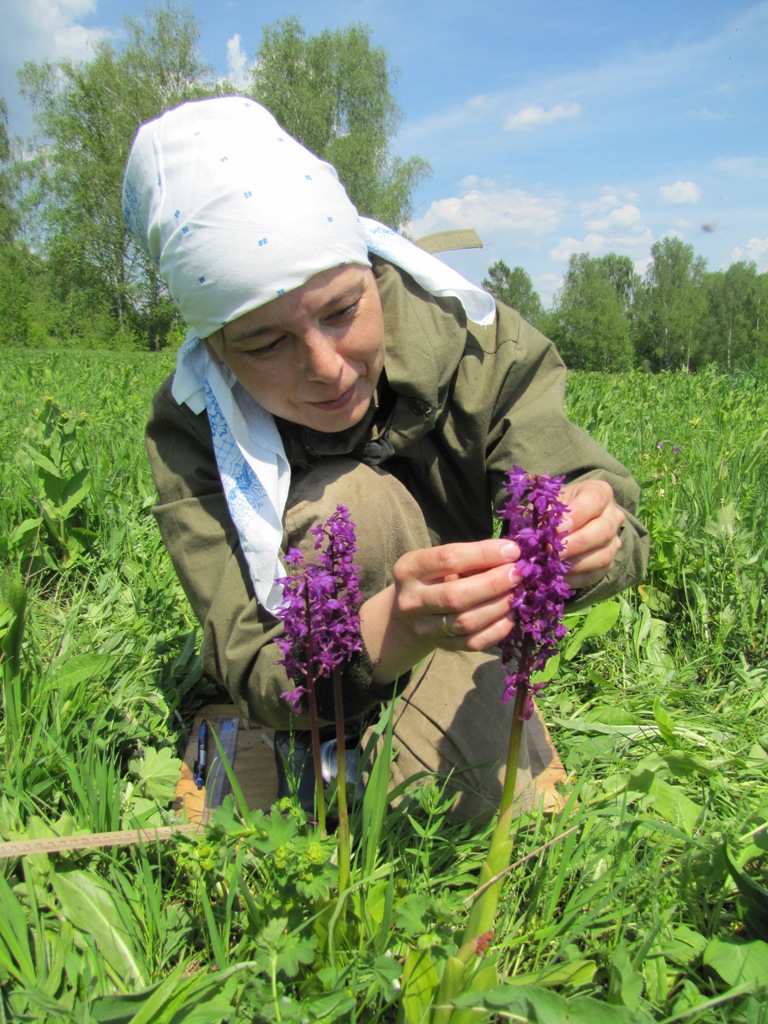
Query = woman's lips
x=332 y=404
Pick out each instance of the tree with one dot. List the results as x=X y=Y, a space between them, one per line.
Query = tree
x=671 y=306
x=736 y=335
x=589 y=324
x=333 y=93
x=515 y=289
x=625 y=280
x=86 y=115
x=18 y=266
x=9 y=215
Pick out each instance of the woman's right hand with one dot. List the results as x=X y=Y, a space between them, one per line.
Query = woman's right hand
x=455 y=596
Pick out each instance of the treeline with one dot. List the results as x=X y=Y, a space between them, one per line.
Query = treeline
x=69 y=272
x=677 y=316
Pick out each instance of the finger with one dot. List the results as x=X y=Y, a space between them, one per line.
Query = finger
x=594 y=534
x=491 y=634
x=474 y=620
x=589 y=568
x=453 y=560
x=585 y=500
x=463 y=599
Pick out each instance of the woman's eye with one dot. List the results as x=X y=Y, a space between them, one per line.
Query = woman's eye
x=264 y=350
x=342 y=314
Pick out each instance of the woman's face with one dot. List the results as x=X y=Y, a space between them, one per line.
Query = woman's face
x=314 y=355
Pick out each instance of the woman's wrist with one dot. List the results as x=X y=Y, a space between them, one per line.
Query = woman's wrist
x=392 y=647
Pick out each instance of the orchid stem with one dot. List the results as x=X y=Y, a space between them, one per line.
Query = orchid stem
x=314 y=726
x=341 y=783
x=483 y=913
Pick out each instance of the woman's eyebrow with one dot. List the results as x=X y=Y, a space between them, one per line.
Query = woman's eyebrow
x=247 y=333
x=346 y=296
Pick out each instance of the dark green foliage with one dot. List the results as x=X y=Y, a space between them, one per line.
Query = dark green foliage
x=515 y=288
x=86 y=114
x=589 y=324
x=607 y=318
x=333 y=92
x=9 y=214
x=736 y=325
x=671 y=307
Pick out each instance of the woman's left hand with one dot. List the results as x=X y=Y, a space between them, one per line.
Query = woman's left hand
x=592 y=525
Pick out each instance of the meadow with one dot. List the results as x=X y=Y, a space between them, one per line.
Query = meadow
x=645 y=899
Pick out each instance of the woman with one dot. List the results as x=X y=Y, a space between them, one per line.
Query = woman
x=332 y=362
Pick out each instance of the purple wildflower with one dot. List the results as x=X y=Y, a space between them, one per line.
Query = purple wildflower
x=320 y=607
x=532 y=517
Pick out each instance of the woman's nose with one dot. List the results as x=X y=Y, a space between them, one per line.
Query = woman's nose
x=321 y=359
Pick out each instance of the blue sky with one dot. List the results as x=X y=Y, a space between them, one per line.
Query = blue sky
x=552 y=126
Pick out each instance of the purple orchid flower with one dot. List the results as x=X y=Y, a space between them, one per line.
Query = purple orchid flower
x=532 y=517
x=320 y=607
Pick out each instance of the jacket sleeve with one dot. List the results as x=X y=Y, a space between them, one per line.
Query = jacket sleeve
x=530 y=428
x=238 y=634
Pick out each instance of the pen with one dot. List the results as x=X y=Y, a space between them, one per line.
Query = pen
x=199 y=766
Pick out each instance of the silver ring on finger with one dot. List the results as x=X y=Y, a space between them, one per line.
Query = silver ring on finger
x=446 y=628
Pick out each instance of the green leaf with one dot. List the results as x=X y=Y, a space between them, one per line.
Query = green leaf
x=74 y=491
x=539 y=1006
x=664 y=721
x=70 y=671
x=197 y=999
x=738 y=962
x=574 y=973
x=15 y=950
x=684 y=946
x=683 y=763
x=609 y=714
x=24 y=531
x=669 y=802
x=753 y=897
x=600 y=619
x=95 y=908
x=419 y=983
x=158 y=772
x=42 y=462
x=625 y=984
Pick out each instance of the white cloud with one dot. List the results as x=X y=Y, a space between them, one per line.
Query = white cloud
x=532 y=117
x=755 y=251
x=681 y=193
x=487 y=205
x=597 y=243
x=566 y=248
x=707 y=114
x=35 y=30
x=610 y=226
x=626 y=216
x=743 y=166
x=609 y=199
x=237 y=61
x=48 y=28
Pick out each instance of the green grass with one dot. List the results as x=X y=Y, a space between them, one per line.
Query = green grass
x=647 y=899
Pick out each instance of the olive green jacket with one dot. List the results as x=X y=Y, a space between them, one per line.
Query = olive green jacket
x=458 y=406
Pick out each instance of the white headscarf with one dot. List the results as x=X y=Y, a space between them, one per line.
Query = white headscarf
x=235 y=212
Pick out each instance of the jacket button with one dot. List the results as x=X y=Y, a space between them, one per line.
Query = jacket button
x=420 y=407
